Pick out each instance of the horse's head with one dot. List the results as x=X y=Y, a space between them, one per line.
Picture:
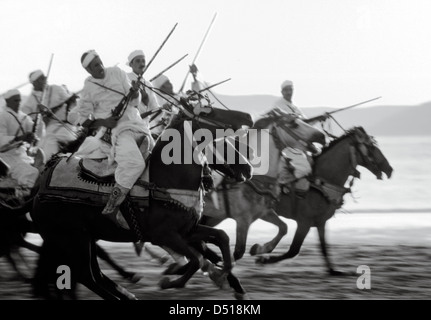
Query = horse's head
x=369 y=155
x=226 y=157
x=189 y=133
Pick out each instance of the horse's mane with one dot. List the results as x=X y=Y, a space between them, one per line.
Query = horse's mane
x=347 y=134
x=266 y=120
x=178 y=119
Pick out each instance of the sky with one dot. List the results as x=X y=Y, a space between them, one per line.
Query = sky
x=337 y=52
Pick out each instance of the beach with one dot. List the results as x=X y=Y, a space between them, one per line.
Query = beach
x=395 y=247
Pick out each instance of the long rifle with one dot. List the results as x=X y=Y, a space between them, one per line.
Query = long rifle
x=213 y=85
x=160 y=48
x=199 y=50
x=167 y=68
x=43 y=95
x=327 y=114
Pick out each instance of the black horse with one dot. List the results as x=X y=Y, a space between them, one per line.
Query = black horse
x=69 y=229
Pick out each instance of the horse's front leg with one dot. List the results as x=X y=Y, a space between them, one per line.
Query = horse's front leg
x=242 y=228
x=217 y=237
x=176 y=243
x=220 y=239
x=298 y=239
x=272 y=217
x=324 y=249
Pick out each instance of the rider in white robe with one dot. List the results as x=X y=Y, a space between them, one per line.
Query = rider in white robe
x=102 y=92
x=148 y=102
x=60 y=101
x=16 y=136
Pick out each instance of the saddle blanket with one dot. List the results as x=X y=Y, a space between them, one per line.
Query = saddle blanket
x=88 y=181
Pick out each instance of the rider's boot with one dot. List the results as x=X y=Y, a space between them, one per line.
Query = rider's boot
x=118 y=194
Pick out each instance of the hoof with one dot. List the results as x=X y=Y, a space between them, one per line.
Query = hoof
x=128 y=294
x=138 y=247
x=173 y=269
x=237 y=255
x=255 y=249
x=241 y=296
x=165 y=283
x=339 y=273
x=219 y=277
x=163 y=260
x=136 y=277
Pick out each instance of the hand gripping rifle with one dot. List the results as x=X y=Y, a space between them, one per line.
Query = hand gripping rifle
x=120 y=109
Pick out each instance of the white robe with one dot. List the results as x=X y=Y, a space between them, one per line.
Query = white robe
x=55 y=131
x=20 y=163
x=288 y=107
x=153 y=102
x=99 y=102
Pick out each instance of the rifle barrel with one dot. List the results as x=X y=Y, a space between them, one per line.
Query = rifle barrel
x=166 y=69
x=160 y=48
x=199 y=50
x=352 y=106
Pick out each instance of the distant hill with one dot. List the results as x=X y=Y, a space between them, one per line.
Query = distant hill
x=377 y=120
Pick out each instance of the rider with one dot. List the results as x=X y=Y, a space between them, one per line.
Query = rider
x=149 y=102
x=103 y=90
x=296 y=164
x=55 y=107
x=17 y=133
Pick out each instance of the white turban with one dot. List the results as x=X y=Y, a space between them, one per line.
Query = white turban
x=133 y=55
x=286 y=83
x=89 y=56
x=35 y=75
x=160 y=81
x=11 y=93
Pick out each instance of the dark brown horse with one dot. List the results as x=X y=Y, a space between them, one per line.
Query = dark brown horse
x=69 y=229
x=332 y=168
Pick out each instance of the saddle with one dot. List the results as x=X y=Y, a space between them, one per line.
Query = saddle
x=85 y=181
x=90 y=182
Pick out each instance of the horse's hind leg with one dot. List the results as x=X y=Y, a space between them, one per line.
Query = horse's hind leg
x=14 y=263
x=272 y=217
x=92 y=277
x=102 y=254
x=44 y=270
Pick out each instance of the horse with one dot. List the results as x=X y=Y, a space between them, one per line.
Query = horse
x=164 y=210
x=262 y=198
